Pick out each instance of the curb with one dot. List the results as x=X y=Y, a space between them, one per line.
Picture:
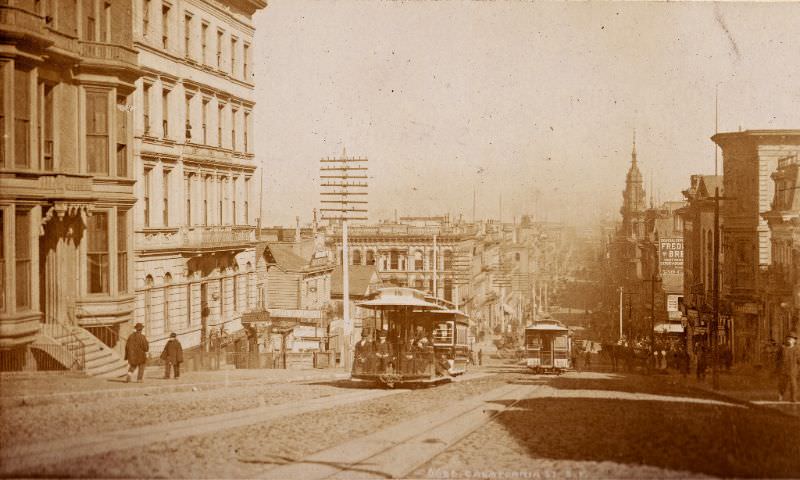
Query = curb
x=65 y=397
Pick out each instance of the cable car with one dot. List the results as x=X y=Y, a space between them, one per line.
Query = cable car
x=425 y=339
x=548 y=345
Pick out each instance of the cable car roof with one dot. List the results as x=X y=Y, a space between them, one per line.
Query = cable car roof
x=399 y=297
x=547 y=325
x=457 y=313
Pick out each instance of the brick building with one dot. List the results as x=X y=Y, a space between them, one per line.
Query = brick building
x=749 y=159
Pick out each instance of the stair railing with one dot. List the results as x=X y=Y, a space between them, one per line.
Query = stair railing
x=69 y=340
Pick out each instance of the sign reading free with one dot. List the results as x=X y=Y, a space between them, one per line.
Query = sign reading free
x=671 y=258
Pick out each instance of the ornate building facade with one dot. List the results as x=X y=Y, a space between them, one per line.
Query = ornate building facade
x=68 y=74
x=782 y=301
x=698 y=250
x=195 y=167
x=750 y=157
x=404 y=254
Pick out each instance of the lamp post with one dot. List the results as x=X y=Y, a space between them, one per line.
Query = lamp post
x=654 y=278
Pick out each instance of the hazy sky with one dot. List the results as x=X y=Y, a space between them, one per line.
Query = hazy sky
x=537 y=100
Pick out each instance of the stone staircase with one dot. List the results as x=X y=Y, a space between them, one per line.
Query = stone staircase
x=77 y=349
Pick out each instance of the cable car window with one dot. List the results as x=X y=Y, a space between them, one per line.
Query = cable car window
x=533 y=341
x=443 y=333
x=560 y=342
x=461 y=334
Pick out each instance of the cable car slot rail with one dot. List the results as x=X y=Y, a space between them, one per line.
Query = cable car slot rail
x=21 y=458
x=400 y=449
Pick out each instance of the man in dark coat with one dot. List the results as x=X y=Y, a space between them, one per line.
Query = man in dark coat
x=172 y=356
x=383 y=353
x=136 y=348
x=362 y=354
x=788 y=368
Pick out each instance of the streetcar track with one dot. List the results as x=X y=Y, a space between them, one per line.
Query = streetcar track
x=402 y=448
x=20 y=458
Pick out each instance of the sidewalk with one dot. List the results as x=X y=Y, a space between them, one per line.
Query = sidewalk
x=742 y=383
x=40 y=388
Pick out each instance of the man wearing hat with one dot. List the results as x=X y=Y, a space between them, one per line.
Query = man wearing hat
x=383 y=352
x=362 y=353
x=136 y=353
x=172 y=355
x=788 y=368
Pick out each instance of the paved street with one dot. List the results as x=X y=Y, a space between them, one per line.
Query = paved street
x=497 y=422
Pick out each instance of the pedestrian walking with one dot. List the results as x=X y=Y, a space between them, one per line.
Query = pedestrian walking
x=788 y=368
x=684 y=362
x=701 y=363
x=136 y=348
x=480 y=356
x=587 y=363
x=172 y=356
x=574 y=360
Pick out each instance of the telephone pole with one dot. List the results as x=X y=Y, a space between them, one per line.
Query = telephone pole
x=344 y=186
x=715 y=321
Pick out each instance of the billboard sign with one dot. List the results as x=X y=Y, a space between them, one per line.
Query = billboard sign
x=672 y=303
x=671 y=258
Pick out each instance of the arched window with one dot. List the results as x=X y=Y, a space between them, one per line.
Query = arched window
x=356 y=257
x=370 y=257
x=167 y=283
x=236 y=288
x=148 y=302
x=247 y=275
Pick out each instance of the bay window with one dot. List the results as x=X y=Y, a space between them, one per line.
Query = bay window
x=97 y=132
x=97 y=253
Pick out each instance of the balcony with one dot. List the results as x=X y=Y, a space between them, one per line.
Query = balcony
x=206 y=154
x=210 y=238
x=47 y=185
x=108 y=54
x=20 y=21
x=63 y=41
x=196 y=240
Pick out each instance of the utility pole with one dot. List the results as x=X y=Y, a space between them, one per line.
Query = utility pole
x=343 y=181
x=715 y=321
x=435 y=265
x=654 y=278
x=620 y=313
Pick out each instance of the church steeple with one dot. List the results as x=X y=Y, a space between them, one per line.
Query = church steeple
x=633 y=197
